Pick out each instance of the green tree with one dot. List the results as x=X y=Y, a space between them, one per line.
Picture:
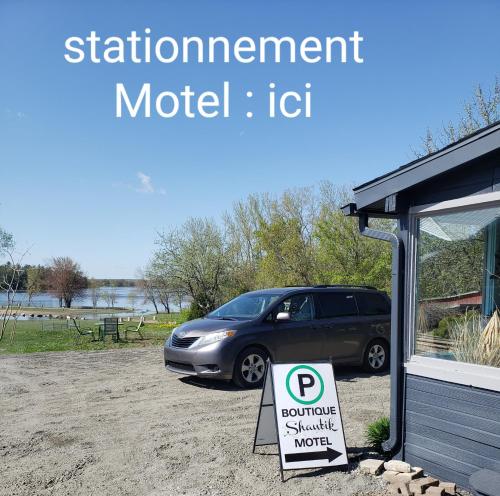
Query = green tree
x=344 y=255
x=450 y=267
x=195 y=258
x=36 y=281
x=285 y=238
x=244 y=251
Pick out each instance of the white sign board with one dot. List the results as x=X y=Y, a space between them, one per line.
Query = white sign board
x=307 y=416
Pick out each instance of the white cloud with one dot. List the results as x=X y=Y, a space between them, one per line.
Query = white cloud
x=11 y=114
x=146 y=184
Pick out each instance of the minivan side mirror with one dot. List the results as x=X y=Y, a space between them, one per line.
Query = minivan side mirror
x=283 y=316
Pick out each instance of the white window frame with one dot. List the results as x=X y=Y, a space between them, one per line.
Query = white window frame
x=468 y=374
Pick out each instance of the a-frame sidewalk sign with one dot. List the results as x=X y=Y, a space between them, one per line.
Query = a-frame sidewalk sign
x=300 y=412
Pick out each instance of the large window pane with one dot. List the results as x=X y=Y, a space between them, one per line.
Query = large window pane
x=458 y=273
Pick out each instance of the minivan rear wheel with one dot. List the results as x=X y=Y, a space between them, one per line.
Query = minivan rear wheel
x=376 y=356
x=250 y=368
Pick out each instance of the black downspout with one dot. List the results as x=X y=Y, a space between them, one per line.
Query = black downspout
x=393 y=444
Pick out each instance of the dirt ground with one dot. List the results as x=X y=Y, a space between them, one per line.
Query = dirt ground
x=114 y=422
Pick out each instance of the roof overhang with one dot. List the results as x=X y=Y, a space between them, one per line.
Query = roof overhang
x=472 y=147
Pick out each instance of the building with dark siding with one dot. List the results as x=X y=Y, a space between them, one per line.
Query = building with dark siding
x=445 y=336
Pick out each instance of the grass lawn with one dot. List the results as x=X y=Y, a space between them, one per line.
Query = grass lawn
x=29 y=336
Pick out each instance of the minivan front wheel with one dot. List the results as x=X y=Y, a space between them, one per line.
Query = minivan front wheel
x=250 y=368
x=376 y=356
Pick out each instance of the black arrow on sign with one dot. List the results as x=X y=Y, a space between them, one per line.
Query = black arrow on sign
x=329 y=453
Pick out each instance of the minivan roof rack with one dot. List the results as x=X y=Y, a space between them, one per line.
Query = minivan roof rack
x=344 y=286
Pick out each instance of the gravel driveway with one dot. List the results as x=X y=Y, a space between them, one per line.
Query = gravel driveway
x=115 y=422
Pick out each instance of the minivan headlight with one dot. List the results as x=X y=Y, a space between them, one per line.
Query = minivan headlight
x=214 y=337
x=169 y=339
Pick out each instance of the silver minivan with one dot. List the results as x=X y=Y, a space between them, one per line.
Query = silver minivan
x=350 y=324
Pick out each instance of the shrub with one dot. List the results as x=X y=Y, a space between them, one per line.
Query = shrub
x=377 y=432
x=447 y=323
x=195 y=311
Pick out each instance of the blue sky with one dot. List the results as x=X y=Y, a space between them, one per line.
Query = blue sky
x=70 y=170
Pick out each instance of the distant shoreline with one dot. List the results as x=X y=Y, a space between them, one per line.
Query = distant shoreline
x=58 y=311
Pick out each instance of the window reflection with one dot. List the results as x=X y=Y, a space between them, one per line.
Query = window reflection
x=458 y=273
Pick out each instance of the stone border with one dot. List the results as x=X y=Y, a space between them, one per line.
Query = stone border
x=405 y=479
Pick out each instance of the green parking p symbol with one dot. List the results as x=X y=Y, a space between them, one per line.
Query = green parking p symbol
x=305 y=384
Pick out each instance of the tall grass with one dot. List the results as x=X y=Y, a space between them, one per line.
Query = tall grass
x=377 y=432
x=471 y=343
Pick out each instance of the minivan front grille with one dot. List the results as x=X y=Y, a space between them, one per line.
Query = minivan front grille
x=183 y=342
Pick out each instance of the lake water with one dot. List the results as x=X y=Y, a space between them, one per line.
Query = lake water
x=126 y=297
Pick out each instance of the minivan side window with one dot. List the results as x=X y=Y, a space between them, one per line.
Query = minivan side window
x=299 y=306
x=335 y=304
x=373 y=304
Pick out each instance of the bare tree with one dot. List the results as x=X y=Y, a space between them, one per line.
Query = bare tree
x=113 y=296
x=146 y=284
x=9 y=282
x=179 y=297
x=482 y=110
x=164 y=296
x=110 y=295
x=95 y=292
x=105 y=298
x=66 y=280
x=132 y=299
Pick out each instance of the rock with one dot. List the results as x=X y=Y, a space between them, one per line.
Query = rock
x=400 y=488
x=394 y=488
x=404 y=490
x=397 y=466
x=450 y=488
x=371 y=466
x=389 y=475
x=409 y=476
x=418 y=486
x=434 y=491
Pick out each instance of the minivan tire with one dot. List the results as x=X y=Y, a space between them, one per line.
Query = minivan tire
x=250 y=368
x=376 y=357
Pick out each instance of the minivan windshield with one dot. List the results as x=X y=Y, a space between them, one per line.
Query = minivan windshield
x=244 y=307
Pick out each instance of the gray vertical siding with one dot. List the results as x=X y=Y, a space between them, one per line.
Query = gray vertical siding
x=451 y=430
